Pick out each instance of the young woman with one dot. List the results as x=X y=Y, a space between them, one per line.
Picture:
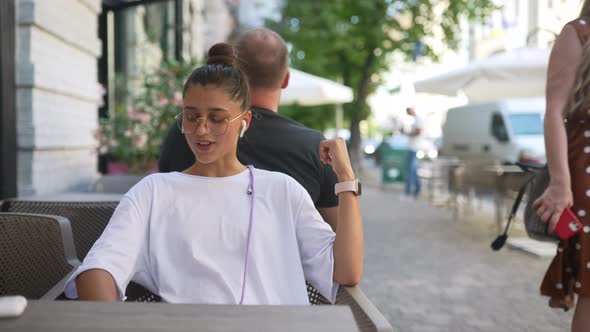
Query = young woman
x=220 y=231
x=568 y=156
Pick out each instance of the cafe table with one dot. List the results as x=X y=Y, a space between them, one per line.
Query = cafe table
x=60 y=316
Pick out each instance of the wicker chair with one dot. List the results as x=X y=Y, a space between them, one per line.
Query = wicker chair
x=36 y=255
x=88 y=219
x=368 y=318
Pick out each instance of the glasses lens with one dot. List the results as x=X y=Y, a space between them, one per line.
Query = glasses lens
x=179 y=122
x=189 y=123
x=217 y=125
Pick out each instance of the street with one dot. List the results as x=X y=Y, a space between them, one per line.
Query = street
x=427 y=272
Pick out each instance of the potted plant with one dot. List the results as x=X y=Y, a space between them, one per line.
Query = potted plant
x=133 y=134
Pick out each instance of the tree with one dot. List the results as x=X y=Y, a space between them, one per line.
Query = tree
x=356 y=41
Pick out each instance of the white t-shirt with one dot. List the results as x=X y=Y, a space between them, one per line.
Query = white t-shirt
x=414 y=141
x=183 y=237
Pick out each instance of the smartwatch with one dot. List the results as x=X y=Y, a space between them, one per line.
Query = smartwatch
x=354 y=186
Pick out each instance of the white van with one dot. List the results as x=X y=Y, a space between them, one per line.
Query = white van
x=505 y=131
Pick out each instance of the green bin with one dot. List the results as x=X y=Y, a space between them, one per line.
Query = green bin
x=393 y=164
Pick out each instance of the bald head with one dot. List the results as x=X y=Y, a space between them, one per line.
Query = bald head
x=265 y=58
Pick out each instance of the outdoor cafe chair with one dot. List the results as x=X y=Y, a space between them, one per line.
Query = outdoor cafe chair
x=36 y=255
x=88 y=219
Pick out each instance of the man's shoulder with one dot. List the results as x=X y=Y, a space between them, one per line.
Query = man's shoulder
x=277 y=123
x=297 y=127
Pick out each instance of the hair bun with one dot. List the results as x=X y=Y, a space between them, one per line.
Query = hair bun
x=222 y=53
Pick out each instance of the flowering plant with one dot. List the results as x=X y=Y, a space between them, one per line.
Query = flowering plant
x=134 y=133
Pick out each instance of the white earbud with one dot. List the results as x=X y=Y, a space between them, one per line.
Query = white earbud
x=243 y=128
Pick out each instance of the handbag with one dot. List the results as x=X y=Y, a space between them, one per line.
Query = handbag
x=535 y=228
x=534 y=187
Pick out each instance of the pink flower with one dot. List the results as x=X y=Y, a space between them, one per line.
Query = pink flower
x=133 y=115
x=163 y=101
x=177 y=99
x=128 y=133
x=144 y=117
x=140 y=140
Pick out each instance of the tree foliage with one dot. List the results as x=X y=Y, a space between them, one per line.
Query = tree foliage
x=356 y=41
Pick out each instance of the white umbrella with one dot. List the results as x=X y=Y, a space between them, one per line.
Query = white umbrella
x=309 y=90
x=519 y=73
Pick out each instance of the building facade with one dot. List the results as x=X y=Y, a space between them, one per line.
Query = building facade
x=60 y=62
x=57 y=94
x=521 y=23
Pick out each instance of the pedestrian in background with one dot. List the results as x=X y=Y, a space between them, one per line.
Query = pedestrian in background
x=567 y=142
x=412 y=180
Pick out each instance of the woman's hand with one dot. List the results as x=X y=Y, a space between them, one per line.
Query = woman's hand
x=550 y=206
x=335 y=153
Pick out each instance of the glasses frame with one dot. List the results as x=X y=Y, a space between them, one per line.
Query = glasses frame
x=206 y=126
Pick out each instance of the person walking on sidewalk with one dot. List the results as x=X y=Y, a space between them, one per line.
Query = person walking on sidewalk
x=273 y=142
x=567 y=140
x=412 y=180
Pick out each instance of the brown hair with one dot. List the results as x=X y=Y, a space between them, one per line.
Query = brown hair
x=222 y=69
x=579 y=97
x=265 y=56
x=585 y=12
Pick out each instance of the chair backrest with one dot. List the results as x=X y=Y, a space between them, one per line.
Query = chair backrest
x=119 y=184
x=36 y=253
x=88 y=219
x=368 y=318
x=137 y=293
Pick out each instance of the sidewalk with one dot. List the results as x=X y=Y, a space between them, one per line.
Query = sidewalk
x=426 y=271
x=480 y=212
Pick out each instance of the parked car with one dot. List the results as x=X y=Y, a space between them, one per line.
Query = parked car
x=506 y=131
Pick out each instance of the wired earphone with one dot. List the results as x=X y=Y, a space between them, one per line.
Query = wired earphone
x=251 y=194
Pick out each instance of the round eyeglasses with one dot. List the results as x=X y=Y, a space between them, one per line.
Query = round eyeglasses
x=215 y=124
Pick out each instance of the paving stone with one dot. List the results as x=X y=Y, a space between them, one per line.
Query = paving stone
x=426 y=271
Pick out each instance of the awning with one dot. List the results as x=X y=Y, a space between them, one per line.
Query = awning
x=519 y=73
x=309 y=90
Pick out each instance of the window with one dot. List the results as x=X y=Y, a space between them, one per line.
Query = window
x=526 y=124
x=499 y=128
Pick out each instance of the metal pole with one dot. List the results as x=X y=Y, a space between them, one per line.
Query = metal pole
x=8 y=141
x=178 y=30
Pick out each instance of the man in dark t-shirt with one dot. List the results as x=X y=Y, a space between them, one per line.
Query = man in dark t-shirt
x=273 y=142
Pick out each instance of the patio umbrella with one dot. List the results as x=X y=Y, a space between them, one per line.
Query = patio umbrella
x=309 y=90
x=520 y=73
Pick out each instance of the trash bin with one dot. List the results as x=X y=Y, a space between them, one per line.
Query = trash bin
x=393 y=163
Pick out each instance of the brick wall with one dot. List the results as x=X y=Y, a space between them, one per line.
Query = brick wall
x=57 y=94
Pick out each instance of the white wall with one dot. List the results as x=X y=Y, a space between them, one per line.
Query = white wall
x=57 y=94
